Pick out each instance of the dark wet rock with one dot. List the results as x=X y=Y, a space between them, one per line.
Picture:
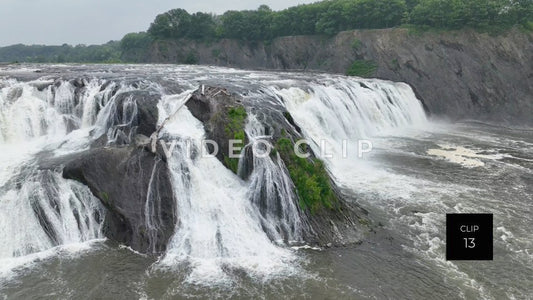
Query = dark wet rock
x=78 y=83
x=347 y=224
x=132 y=183
x=14 y=94
x=99 y=142
x=213 y=107
x=146 y=117
x=42 y=85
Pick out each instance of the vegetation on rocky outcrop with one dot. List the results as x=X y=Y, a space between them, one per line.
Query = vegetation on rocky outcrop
x=362 y=68
x=224 y=119
x=235 y=129
x=331 y=218
x=309 y=176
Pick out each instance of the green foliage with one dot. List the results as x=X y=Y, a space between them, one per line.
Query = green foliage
x=237 y=117
x=107 y=53
x=364 y=222
x=202 y=26
x=191 y=59
x=362 y=68
x=134 y=46
x=309 y=176
x=251 y=25
x=528 y=26
x=488 y=15
x=319 y=18
x=357 y=44
x=105 y=197
x=174 y=23
x=326 y=17
x=216 y=53
x=330 y=17
x=235 y=129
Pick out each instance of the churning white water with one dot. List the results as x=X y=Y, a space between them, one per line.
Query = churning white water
x=271 y=189
x=383 y=112
x=335 y=117
x=225 y=224
x=219 y=230
x=39 y=210
x=230 y=231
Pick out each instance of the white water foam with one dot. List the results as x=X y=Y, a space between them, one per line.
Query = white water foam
x=39 y=210
x=218 y=231
x=469 y=158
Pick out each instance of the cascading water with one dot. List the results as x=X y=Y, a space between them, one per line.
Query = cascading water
x=237 y=231
x=224 y=222
x=39 y=209
x=271 y=189
x=351 y=109
x=219 y=228
x=335 y=117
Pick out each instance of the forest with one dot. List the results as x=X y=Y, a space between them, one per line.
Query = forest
x=264 y=24
x=331 y=17
x=106 y=53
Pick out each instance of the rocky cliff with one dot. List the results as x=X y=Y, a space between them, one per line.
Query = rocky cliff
x=458 y=74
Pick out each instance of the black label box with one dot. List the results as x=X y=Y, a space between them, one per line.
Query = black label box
x=469 y=237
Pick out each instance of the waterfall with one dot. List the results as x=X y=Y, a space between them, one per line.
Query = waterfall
x=334 y=117
x=228 y=223
x=40 y=210
x=353 y=109
x=219 y=229
x=225 y=224
x=271 y=189
x=46 y=211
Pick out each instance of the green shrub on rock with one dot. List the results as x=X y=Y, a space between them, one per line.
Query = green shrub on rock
x=362 y=68
x=235 y=129
x=309 y=176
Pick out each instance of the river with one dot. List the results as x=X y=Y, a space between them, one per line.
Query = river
x=419 y=170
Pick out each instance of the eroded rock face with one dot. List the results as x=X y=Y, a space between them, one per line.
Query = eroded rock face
x=458 y=74
x=145 y=121
x=134 y=186
x=131 y=182
x=223 y=115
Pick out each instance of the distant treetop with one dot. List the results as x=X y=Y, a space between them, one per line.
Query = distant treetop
x=332 y=16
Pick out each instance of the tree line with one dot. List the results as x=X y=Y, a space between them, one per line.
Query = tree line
x=332 y=16
x=321 y=18
x=106 y=53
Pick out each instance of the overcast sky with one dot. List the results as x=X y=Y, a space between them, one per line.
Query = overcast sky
x=54 y=22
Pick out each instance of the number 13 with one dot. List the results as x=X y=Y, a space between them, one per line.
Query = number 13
x=470 y=243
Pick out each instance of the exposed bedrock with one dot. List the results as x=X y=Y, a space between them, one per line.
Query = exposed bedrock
x=134 y=186
x=131 y=182
x=458 y=74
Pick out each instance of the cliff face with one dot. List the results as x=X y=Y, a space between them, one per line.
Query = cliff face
x=458 y=75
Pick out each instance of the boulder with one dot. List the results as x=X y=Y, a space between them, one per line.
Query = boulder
x=224 y=116
x=135 y=187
